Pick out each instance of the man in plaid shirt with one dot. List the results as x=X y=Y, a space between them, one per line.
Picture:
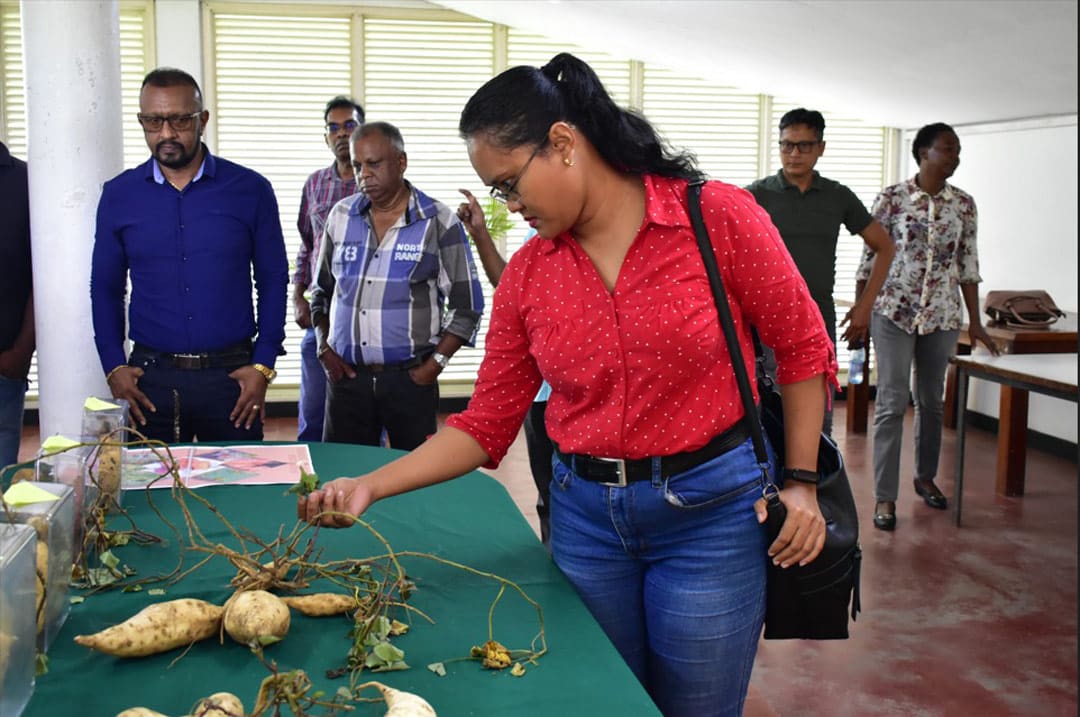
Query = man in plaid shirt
x=395 y=295
x=322 y=190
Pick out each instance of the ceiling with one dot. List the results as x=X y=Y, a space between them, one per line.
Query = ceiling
x=898 y=63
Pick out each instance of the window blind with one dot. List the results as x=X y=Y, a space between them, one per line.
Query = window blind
x=273 y=75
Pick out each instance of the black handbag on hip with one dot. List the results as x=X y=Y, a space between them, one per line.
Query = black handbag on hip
x=802 y=602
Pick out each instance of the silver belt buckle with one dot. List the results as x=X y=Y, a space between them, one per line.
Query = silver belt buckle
x=620 y=471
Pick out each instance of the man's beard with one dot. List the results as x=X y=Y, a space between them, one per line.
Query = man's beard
x=176 y=161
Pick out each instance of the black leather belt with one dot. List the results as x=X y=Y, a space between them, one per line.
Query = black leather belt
x=236 y=355
x=619 y=472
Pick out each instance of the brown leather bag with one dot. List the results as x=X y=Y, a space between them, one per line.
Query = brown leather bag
x=1033 y=309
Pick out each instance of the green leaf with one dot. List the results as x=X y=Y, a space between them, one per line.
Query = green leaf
x=497 y=218
x=393 y=667
x=118 y=539
x=308 y=483
x=265 y=640
x=76 y=599
x=109 y=560
x=41 y=664
x=131 y=589
x=438 y=668
x=388 y=653
x=156 y=591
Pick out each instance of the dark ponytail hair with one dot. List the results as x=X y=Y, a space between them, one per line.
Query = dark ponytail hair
x=518 y=107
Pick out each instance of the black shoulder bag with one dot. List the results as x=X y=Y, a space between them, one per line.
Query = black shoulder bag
x=808 y=602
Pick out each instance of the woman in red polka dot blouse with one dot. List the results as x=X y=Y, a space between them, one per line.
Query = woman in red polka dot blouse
x=656 y=500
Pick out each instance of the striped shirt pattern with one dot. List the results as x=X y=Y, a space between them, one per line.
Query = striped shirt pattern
x=322 y=190
x=390 y=301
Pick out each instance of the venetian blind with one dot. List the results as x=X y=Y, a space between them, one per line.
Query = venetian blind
x=718 y=124
x=273 y=75
x=135 y=62
x=418 y=75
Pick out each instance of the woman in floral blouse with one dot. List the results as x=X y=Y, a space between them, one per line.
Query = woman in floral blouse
x=919 y=312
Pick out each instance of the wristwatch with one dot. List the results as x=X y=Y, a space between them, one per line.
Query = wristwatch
x=800 y=476
x=442 y=359
x=268 y=373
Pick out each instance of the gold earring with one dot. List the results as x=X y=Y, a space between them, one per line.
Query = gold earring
x=568 y=162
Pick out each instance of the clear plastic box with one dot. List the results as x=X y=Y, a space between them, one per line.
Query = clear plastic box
x=54 y=523
x=102 y=421
x=69 y=467
x=18 y=648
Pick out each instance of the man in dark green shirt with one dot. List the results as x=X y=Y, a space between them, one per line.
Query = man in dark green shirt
x=808 y=210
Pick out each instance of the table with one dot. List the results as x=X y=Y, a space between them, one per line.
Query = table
x=471 y=520
x=1059 y=337
x=1050 y=374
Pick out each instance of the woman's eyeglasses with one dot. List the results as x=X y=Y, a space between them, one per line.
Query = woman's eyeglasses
x=508 y=192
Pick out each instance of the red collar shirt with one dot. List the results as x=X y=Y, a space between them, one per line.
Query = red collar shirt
x=643 y=370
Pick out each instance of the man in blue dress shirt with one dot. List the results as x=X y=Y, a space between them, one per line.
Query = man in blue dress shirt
x=191 y=230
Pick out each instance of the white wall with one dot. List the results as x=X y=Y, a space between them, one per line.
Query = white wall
x=1023 y=177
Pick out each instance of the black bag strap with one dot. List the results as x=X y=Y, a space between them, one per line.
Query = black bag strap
x=727 y=324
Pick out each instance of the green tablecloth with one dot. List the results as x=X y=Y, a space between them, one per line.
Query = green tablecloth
x=471 y=520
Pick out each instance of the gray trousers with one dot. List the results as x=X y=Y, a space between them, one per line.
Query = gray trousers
x=896 y=351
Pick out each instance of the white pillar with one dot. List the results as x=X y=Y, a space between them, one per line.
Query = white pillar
x=75 y=143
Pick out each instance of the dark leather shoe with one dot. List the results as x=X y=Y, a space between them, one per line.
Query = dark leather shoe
x=885 y=516
x=930 y=493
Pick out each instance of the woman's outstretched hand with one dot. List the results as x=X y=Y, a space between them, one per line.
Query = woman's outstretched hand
x=336 y=504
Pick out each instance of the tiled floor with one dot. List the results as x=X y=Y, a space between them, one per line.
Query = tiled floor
x=979 y=620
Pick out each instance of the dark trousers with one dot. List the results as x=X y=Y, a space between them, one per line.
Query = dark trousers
x=358 y=409
x=541 y=453
x=191 y=403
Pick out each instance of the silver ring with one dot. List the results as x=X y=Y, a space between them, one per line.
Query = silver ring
x=255 y=406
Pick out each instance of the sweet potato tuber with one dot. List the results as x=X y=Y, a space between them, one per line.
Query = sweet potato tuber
x=321 y=604
x=256 y=616
x=400 y=703
x=157 y=628
x=140 y=712
x=219 y=704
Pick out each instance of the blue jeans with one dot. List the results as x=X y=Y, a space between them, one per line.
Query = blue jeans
x=12 y=397
x=674 y=572
x=312 y=408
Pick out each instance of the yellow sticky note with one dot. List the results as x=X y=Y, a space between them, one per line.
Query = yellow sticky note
x=57 y=443
x=25 y=493
x=96 y=404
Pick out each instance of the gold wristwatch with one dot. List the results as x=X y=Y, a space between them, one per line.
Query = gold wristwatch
x=268 y=373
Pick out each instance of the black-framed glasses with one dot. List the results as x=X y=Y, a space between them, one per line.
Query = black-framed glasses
x=508 y=192
x=180 y=123
x=804 y=147
x=335 y=127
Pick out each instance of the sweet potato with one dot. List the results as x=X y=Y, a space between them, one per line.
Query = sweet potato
x=157 y=628
x=140 y=712
x=42 y=581
x=219 y=704
x=400 y=703
x=321 y=604
x=256 y=616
